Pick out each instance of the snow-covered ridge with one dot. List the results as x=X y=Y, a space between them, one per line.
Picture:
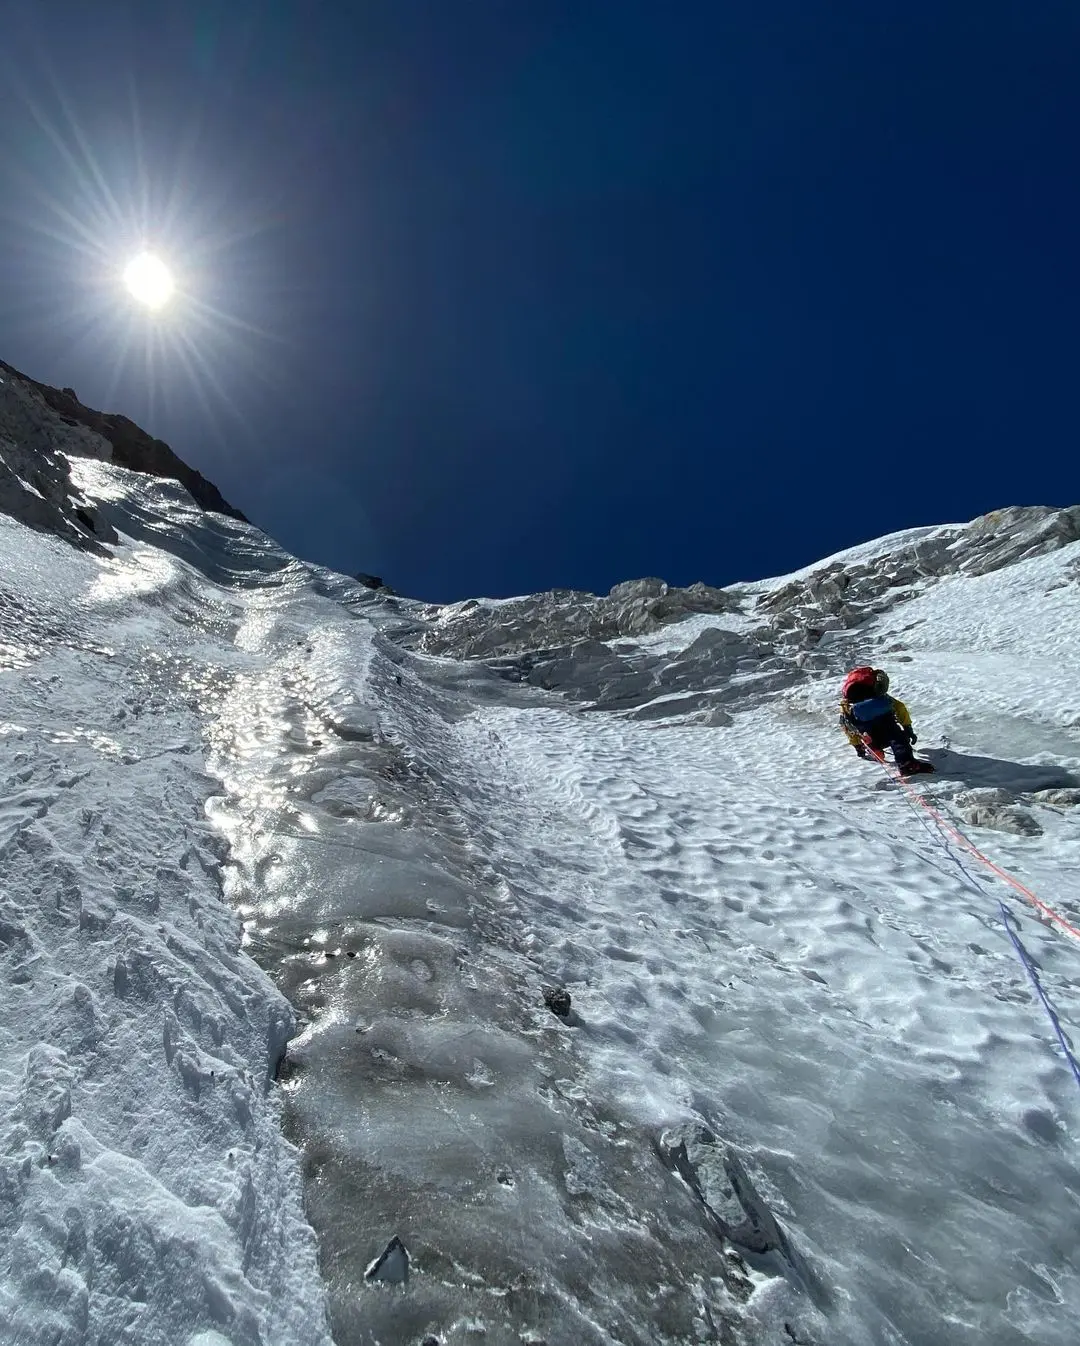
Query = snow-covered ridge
x=656 y=652
x=801 y=1090
x=70 y=426
x=35 y=483
x=843 y=590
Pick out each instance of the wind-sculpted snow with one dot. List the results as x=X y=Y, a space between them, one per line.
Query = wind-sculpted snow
x=630 y=1007
x=801 y=1089
x=145 y=1190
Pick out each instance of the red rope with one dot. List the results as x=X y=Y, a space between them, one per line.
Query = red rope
x=972 y=849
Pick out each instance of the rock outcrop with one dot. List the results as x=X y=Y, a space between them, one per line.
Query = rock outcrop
x=478 y=630
x=128 y=446
x=766 y=638
x=840 y=595
x=35 y=480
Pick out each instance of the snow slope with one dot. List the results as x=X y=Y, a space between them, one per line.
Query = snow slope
x=761 y=936
x=146 y=1192
x=804 y=1092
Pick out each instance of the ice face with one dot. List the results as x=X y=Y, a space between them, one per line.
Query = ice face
x=146 y=1191
x=436 y=1096
x=801 y=1091
x=757 y=967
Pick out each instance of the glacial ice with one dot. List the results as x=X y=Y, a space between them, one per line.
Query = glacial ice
x=283 y=889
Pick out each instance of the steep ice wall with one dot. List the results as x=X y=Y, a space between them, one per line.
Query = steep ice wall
x=626 y=998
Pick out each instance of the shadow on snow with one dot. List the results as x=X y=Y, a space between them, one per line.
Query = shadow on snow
x=995 y=771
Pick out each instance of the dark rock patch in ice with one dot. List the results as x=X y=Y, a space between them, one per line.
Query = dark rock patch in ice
x=391 y=1265
x=715 y=1175
x=997 y=811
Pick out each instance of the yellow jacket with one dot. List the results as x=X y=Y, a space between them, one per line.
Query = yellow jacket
x=854 y=737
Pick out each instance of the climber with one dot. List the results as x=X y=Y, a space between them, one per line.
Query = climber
x=874 y=720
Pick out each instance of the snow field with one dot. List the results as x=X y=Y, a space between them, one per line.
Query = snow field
x=435 y=1093
x=753 y=936
x=822 y=983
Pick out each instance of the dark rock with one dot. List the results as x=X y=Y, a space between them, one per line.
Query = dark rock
x=35 y=473
x=643 y=588
x=369 y=581
x=557 y=999
x=718 y=1180
x=131 y=447
x=392 y=1264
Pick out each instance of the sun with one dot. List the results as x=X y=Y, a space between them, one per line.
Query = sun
x=149 y=280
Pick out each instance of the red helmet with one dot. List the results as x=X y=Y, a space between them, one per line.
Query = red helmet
x=857 y=679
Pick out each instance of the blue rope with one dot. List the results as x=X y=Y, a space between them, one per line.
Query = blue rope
x=1009 y=921
x=1051 y=1013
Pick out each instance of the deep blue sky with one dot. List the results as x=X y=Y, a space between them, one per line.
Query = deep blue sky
x=561 y=292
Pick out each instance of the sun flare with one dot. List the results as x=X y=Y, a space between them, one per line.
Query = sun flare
x=149 y=280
